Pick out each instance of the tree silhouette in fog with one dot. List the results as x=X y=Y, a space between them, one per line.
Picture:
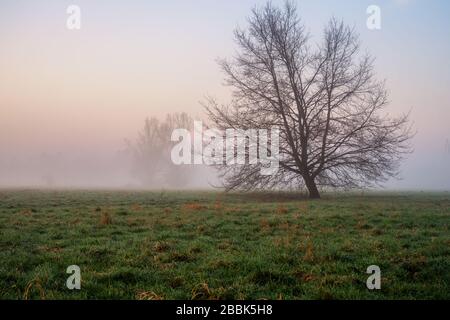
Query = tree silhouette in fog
x=152 y=164
x=324 y=98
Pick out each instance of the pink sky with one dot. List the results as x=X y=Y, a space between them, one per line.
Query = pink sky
x=81 y=93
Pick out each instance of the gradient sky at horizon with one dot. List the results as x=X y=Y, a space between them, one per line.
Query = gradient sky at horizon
x=81 y=93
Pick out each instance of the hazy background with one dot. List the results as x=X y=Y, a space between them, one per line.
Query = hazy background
x=69 y=99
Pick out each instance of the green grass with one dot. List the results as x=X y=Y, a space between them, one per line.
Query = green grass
x=207 y=245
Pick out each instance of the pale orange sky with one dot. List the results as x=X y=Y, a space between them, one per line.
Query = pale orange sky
x=83 y=92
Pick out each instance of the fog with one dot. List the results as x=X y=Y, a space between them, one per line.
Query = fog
x=69 y=100
x=112 y=168
x=427 y=168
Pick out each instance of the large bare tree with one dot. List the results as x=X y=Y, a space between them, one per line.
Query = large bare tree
x=324 y=97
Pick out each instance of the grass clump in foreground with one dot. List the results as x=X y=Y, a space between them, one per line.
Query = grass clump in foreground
x=206 y=245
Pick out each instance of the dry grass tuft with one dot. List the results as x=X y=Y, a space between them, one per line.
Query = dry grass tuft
x=167 y=210
x=26 y=212
x=281 y=209
x=309 y=254
x=264 y=225
x=148 y=295
x=194 y=206
x=105 y=219
x=49 y=249
x=161 y=246
x=75 y=221
x=136 y=207
x=224 y=245
x=283 y=242
x=303 y=207
x=218 y=206
x=201 y=292
x=36 y=283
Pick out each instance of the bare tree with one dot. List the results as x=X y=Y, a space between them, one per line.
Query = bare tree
x=151 y=153
x=325 y=100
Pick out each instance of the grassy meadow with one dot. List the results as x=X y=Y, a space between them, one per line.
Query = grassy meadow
x=210 y=245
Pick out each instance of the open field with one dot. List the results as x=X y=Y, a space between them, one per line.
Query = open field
x=207 y=245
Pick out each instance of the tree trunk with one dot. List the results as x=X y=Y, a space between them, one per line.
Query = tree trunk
x=312 y=188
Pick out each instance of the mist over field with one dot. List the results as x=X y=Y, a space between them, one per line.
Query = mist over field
x=70 y=99
x=425 y=169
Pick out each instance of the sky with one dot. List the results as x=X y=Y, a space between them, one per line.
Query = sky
x=70 y=98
